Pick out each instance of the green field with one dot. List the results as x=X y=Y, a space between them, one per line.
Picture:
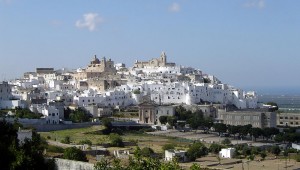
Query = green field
x=93 y=134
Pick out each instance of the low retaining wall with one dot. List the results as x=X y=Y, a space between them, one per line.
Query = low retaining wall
x=64 y=164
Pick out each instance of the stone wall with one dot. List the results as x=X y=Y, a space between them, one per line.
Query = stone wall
x=63 y=164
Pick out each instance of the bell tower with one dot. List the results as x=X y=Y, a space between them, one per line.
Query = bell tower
x=163 y=57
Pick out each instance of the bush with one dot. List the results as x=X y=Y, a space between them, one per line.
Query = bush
x=116 y=140
x=196 y=150
x=275 y=150
x=66 y=140
x=226 y=141
x=215 y=148
x=168 y=146
x=263 y=155
x=88 y=142
x=74 y=153
x=55 y=149
x=136 y=91
x=297 y=157
x=147 y=152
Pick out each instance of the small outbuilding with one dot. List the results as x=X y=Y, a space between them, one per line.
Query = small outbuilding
x=227 y=153
x=179 y=154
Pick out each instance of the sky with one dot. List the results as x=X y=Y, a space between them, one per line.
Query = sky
x=250 y=44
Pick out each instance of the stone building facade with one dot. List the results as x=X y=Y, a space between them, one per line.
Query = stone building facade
x=96 y=68
x=149 y=112
x=156 y=62
x=255 y=118
x=288 y=119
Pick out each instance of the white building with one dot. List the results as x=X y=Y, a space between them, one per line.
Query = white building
x=96 y=111
x=5 y=91
x=179 y=154
x=24 y=134
x=51 y=114
x=227 y=153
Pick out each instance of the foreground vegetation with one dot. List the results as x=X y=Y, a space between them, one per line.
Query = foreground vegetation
x=16 y=155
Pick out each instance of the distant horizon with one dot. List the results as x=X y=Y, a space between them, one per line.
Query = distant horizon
x=274 y=90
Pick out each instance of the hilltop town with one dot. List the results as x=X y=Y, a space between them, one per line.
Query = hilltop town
x=181 y=106
x=103 y=85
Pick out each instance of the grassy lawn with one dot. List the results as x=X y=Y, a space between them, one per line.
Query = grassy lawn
x=77 y=135
x=92 y=134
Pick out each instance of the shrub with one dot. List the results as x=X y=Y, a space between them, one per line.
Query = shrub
x=66 y=140
x=297 y=158
x=136 y=91
x=116 y=140
x=74 y=153
x=55 y=149
x=88 y=142
x=168 y=146
x=196 y=150
x=226 y=141
x=215 y=148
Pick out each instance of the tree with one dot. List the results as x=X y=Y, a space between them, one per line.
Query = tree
x=226 y=141
x=244 y=130
x=279 y=137
x=79 y=115
x=147 y=152
x=136 y=91
x=263 y=155
x=8 y=143
x=28 y=155
x=103 y=164
x=168 y=146
x=163 y=119
x=172 y=120
x=195 y=167
x=256 y=132
x=215 y=148
x=74 y=153
x=106 y=122
x=275 y=150
x=196 y=119
x=233 y=130
x=26 y=113
x=220 y=128
x=116 y=140
x=269 y=132
x=274 y=106
x=196 y=150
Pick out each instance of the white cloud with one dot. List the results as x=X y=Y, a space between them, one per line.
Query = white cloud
x=89 y=21
x=260 y=4
x=175 y=7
